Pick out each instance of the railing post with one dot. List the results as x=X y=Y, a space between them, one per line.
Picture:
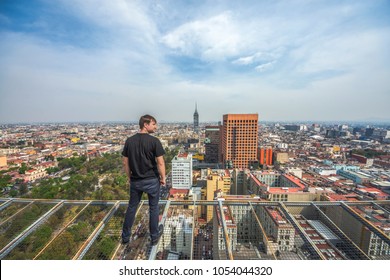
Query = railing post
x=225 y=232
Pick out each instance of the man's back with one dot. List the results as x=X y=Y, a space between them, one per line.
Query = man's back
x=141 y=150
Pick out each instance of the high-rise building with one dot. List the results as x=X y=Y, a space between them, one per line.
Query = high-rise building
x=265 y=156
x=196 y=118
x=182 y=171
x=212 y=144
x=239 y=140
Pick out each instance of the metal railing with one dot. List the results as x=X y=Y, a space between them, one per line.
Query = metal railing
x=237 y=230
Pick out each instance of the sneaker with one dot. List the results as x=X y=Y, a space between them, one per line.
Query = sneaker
x=160 y=229
x=154 y=242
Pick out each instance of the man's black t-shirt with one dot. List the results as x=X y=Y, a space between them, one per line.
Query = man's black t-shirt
x=142 y=149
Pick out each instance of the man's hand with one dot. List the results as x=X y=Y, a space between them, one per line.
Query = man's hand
x=126 y=166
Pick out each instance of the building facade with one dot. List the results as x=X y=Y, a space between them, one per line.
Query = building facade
x=280 y=232
x=281 y=157
x=239 y=140
x=182 y=171
x=212 y=144
x=217 y=181
x=368 y=241
x=265 y=156
x=219 y=245
x=177 y=235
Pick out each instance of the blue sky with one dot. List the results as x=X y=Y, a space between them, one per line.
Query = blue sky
x=84 y=60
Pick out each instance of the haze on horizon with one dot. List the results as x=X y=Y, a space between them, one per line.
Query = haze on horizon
x=84 y=60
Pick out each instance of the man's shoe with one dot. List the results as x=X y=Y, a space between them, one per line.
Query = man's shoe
x=125 y=241
x=160 y=229
x=154 y=242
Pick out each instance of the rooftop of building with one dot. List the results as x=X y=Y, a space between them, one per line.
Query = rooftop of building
x=182 y=155
x=341 y=197
x=295 y=180
x=276 y=216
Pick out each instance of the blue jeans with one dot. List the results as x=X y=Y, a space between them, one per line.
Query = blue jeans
x=151 y=186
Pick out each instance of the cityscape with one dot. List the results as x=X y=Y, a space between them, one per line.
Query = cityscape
x=236 y=189
x=273 y=116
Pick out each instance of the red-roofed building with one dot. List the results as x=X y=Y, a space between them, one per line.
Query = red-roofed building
x=182 y=155
x=34 y=174
x=373 y=192
x=284 y=187
x=178 y=194
x=279 y=231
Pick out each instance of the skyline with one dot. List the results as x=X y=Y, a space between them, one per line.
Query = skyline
x=94 y=61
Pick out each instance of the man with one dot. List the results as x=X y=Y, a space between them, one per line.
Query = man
x=144 y=165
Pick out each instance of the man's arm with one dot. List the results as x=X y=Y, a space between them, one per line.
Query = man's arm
x=126 y=166
x=161 y=169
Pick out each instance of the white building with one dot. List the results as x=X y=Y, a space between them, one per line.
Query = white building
x=282 y=145
x=177 y=236
x=297 y=172
x=182 y=171
x=324 y=171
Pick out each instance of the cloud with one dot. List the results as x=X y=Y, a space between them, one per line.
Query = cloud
x=245 y=60
x=264 y=67
x=349 y=52
x=114 y=60
x=264 y=61
x=211 y=39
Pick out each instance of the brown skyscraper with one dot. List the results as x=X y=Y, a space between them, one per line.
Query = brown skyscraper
x=239 y=140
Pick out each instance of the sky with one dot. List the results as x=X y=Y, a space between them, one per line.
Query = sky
x=98 y=60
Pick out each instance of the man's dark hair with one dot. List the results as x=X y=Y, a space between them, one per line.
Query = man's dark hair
x=146 y=119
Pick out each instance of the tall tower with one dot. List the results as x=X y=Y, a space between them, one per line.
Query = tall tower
x=196 y=118
x=239 y=140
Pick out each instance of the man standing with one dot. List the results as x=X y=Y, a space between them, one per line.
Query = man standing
x=144 y=165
